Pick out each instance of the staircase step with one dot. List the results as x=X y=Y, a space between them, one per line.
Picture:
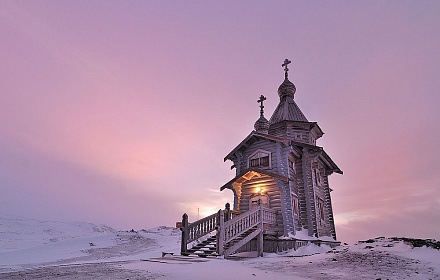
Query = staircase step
x=205 y=248
x=201 y=249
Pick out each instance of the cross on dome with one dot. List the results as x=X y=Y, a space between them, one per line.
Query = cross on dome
x=286 y=62
x=261 y=100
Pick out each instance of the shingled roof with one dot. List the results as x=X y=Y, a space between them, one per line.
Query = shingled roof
x=287 y=110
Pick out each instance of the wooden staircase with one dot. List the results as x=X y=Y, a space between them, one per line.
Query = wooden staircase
x=240 y=241
x=204 y=249
x=233 y=231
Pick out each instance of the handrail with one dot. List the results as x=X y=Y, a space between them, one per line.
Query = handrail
x=230 y=214
x=230 y=225
x=201 y=227
x=269 y=216
x=240 y=224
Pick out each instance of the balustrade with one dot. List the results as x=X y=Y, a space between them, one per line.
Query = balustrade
x=229 y=224
x=201 y=227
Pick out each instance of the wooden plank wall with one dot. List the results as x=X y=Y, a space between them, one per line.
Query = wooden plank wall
x=269 y=187
x=280 y=193
x=303 y=222
x=328 y=204
x=282 y=245
x=325 y=224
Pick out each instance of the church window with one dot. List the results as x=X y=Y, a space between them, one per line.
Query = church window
x=254 y=162
x=260 y=159
x=264 y=161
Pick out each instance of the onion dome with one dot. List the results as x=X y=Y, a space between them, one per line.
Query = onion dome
x=262 y=124
x=286 y=88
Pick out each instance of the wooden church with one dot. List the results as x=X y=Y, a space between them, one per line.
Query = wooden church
x=281 y=179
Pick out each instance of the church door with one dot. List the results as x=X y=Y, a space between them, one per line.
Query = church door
x=253 y=201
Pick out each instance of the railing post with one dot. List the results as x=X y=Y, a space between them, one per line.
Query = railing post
x=184 y=229
x=260 y=236
x=227 y=211
x=220 y=232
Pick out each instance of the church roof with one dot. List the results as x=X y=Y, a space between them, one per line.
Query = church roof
x=255 y=136
x=250 y=139
x=323 y=155
x=250 y=173
x=328 y=160
x=287 y=110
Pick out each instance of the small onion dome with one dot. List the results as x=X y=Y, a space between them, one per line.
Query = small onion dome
x=262 y=125
x=286 y=88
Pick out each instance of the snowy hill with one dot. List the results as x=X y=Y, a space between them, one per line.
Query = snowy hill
x=20 y=233
x=32 y=249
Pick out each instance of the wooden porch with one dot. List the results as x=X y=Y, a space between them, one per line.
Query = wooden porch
x=228 y=232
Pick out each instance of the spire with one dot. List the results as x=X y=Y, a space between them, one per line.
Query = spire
x=262 y=124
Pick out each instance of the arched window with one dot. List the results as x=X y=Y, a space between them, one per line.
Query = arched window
x=260 y=159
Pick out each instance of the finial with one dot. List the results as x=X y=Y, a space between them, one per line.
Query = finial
x=261 y=100
x=286 y=62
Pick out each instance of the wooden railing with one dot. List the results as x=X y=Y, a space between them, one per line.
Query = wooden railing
x=240 y=224
x=269 y=216
x=250 y=223
x=248 y=220
x=230 y=214
x=230 y=226
x=196 y=230
x=237 y=232
x=202 y=227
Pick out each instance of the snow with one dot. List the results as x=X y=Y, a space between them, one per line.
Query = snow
x=304 y=235
x=32 y=249
x=18 y=232
x=308 y=250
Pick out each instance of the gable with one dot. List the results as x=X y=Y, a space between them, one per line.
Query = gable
x=261 y=154
x=253 y=137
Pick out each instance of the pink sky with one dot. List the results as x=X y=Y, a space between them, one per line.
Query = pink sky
x=122 y=112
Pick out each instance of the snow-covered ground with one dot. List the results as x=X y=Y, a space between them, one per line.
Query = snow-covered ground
x=31 y=249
